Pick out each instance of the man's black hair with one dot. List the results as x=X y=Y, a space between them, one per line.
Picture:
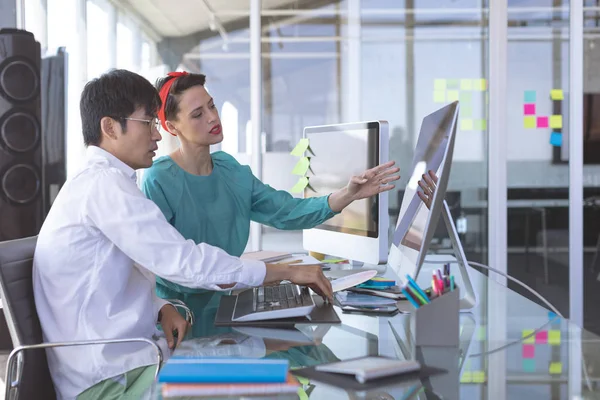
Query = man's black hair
x=116 y=94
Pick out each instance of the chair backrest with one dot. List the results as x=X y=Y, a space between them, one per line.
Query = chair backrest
x=16 y=291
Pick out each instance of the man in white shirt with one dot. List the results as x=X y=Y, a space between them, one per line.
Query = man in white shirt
x=103 y=241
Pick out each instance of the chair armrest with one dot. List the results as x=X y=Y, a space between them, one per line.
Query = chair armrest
x=189 y=314
x=14 y=383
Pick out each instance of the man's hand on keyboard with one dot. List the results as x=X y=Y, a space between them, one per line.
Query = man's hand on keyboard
x=305 y=275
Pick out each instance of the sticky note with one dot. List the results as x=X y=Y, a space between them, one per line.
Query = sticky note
x=479 y=84
x=301 y=166
x=481 y=124
x=478 y=376
x=556 y=121
x=439 y=84
x=529 y=122
x=466 y=111
x=300 y=185
x=529 y=365
x=466 y=124
x=452 y=84
x=542 y=122
x=465 y=97
x=528 y=337
x=466 y=84
x=529 y=96
x=467 y=377
x=481 y=333
x=300 y=148
x=556 y=139
x=439 y=96
x=452 y=95
x=557 y=94
x=554 y=337
x=541 y=337
x=529 y=109
x=528 y=351
x=555 y=368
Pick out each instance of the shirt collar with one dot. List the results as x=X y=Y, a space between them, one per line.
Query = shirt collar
x=95 y=151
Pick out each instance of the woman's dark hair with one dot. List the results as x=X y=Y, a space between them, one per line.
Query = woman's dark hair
x=182 y=84
x=116 y=94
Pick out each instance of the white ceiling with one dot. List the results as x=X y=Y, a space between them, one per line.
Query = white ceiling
x=182 y=17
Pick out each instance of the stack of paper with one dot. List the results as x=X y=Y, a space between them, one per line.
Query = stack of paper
x=195 y=376
x=265 y=256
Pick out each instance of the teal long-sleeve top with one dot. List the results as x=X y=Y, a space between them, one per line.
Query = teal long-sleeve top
x=217 y=209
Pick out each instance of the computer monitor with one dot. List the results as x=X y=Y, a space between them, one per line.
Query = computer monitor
x=416 y=223
x=337 y=152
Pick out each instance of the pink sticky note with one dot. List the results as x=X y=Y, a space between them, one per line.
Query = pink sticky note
x=529 y=109
x=528 y=351
x=541 y=337
x=542 y=122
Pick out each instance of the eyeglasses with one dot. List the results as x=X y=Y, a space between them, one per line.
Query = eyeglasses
x=154 y=122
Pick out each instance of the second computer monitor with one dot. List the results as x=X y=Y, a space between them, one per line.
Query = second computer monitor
x=338 y=152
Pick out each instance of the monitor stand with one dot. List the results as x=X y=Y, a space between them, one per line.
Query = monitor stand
x=469 y=298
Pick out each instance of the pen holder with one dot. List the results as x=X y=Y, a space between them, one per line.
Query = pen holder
x=437 y=323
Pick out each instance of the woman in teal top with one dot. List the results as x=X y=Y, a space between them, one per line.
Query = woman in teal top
x=211 y=198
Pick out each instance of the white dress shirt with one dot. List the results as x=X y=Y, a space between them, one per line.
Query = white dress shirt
x=94 y=266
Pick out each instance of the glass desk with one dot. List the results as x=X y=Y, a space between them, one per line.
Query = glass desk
x=510 y=348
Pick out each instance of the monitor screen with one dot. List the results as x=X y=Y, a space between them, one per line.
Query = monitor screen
x=340 y=153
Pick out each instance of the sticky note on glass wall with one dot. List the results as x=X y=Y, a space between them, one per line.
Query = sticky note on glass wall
x=300 y=185
x=452 y=95
x=465 y=97
x=529 y=96
x=556 y=121
x=557 y=94
x=439 y=96
x=556 y=139
x=301 y=166
x=529 y=109
x=466 y=84
x=466 y=111
x=542 y=122
x=555 y=368
x=529 y=122
x=301 y=147
x=528 y=336
x=481 y=124
x=466 y=124
x=529 y=365
x=452 y=84
x=439 y=84
x=554 y=337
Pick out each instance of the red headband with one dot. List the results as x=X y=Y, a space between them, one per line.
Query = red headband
x=164 y=93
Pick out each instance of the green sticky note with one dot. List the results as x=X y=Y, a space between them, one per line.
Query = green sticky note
x=555 y=368
x=556 y=121
x=300 y=185
x=452 y=84
x=467 y=377
x=554 y=337
x=465 y=97
x=439 y=96
x=481 y=124
x=482 y=333
x=300 y=148
x=452 y=95
x=557 y=94
x=478 y=376
x=480 y=84
x=466 y=84
x=439 y=84
x=529 y=122
x=466 y=111
x=466 y=124
x=301 y=166
x=528 y=336
x=529 y=96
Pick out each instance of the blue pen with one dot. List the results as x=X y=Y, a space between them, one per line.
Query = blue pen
x=414 y=285
x=409 y=298
x=452 y=282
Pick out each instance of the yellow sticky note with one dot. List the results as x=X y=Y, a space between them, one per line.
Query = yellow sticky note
x=529 y=122
x=301 y=166
x=556 y=121
x=300 y=185
x=439 y=96
x=452 y=95
x=557 y=94
x=479 y=84
x=482 y=333
x=555 y=368
x=466 y=84
x=466 y=124
x=481 y=124
x=478 y=376
x=439 y=84
x=530 y=339
x=300 y=148
x=467 y=377
x=554 y=338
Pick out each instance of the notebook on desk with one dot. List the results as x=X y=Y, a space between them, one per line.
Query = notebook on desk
x=322 y=313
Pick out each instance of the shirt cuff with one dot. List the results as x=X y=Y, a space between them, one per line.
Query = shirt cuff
x=253 y=274
x=328 y=207
x=158 y=304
